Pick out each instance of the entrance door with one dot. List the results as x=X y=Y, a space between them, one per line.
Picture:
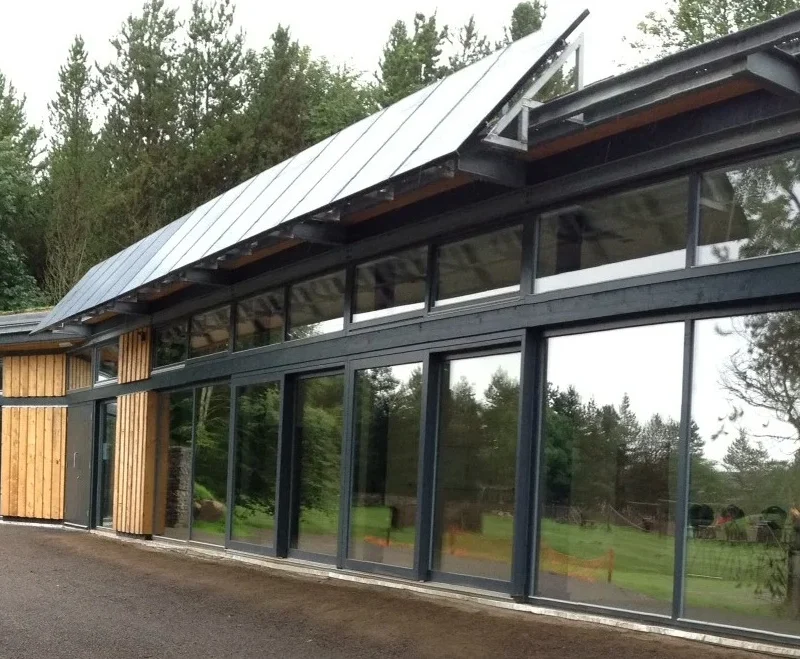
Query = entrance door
x=78 y=476
x=106 y=436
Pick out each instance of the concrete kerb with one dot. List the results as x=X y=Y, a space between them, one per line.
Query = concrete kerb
x=306 y=570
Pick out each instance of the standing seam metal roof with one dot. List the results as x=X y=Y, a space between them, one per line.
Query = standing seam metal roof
x=423 y=128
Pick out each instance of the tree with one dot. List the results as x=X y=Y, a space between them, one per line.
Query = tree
x=410 y=61
x=141 y=90
x=20 y=204
x=686 y=23
x=73 y=186
x=526 y=18
x=472 y=46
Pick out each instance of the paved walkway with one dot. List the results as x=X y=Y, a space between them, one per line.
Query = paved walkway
x=72 y=594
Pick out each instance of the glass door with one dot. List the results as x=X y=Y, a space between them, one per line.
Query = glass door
x=106 y=439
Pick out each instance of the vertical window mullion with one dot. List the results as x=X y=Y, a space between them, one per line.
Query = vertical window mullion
x=431 y=278
x=347 y=457
x=349 y=295
x=693 y=219
x=195 y=393
x=528 y=269
x=426 y=467
x=284 y=501
x=684 y=475
x=232 y=447
x=537 y=462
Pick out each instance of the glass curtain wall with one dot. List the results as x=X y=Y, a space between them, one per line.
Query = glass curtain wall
x=743 y=549
x=105 y=463
x=478 y=428
x=611 y=437
x=317 y=461
x=384 y=505
x=258 y=408
x=174 y=477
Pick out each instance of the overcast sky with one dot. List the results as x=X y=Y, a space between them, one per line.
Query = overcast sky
x=35 y=34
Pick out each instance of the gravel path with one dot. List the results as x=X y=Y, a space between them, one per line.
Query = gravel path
x=72 y=594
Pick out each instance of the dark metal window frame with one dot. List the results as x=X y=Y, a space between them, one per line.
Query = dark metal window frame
x=96 y=382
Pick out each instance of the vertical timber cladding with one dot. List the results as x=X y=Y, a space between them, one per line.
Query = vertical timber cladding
x=135 y=462
x=32 y=462
x=34 y=375
x=33 y=440
x=135 y=352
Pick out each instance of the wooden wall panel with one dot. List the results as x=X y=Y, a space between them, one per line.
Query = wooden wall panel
x=135 y=355
x=34 y=375
x=32 y=469
x=135 y=462
x=80 y=372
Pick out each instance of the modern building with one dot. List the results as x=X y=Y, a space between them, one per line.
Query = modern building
x=544 y=348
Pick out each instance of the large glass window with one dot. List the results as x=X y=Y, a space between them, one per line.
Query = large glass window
x=260 y=320
x=479 y=267
x=108 y=362
x=317 y=306
x=318 y=446
x=387 y=422
x=632 y=233
x=611 y=433
x=210 y=332
x=394 y=284
x=172 y=344
x=212 y=419
x=174 y=477
x=79 y=370
x=257 y=434
x=743 y=549
x=478 y=428
x=751 y=210
x=106 y=441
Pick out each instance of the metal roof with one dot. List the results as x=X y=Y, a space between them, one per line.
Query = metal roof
x=422 y=129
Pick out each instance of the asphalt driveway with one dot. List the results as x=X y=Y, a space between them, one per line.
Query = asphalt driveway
x=72 y=594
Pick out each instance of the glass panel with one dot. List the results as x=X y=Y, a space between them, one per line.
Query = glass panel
x=257 y=434
x=478 y=429
x=387 y=423
x=108 y=362
x=743 y=550
x=629 y=234
x=174 y=477
x=479 y=267
x=317 y=306
x=211 y=332
x=105 y=463
x=318 y=442
x=750 y=211
x=212 y=418
x=79 y=370
x=391 y=285
x=171 y=344
x=611 y=434
x=259 y=320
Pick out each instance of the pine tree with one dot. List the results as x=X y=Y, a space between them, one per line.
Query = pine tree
x=411 y=61
x=73 y=186
x=472 y=46
x=526 y=18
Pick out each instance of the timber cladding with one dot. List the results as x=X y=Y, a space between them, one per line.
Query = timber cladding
x=32 y=462
x=34 y=375
x=135 y=462
x=135 y=355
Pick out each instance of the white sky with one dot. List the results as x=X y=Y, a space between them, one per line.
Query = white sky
x=36 y=34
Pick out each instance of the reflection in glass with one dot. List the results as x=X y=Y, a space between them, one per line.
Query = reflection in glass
x=743 y=550
x=212 y=418
x=171 y=343
x=395 y=284
x=318 y=445
x=749 y=211
x=611 y=432
x=105 y=463
x=478 y=429
x=79 y=370
x=316 y=306
x=624 y=235
x=257 y=427
x=259 y=320
x=387 y=422
x=210 y=332
x=174 y=476
x=108 y=362
x=479 y=267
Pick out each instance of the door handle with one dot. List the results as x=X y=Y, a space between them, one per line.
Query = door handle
x=74 y=460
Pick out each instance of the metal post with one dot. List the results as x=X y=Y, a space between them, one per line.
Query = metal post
x=539 y=403
x=693 y=219
x=283 y=480
x=232 y=441
x=348 y=453
x=684 y=473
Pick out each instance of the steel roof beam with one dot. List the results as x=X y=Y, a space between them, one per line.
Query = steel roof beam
x=316 y=231
x=130 y=308
x=776 y=70
x=493 y=168
x=207 y=276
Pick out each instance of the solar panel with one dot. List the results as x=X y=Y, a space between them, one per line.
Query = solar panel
x=425 y=127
